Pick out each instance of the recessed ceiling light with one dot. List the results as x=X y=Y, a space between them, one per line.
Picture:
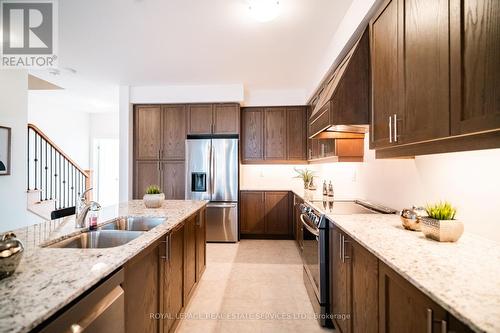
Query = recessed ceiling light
x=264 y=10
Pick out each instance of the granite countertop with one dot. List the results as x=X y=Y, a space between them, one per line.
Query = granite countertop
x=462 y=277
x=47 y=279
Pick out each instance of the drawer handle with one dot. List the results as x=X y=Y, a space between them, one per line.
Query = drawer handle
x=431 y=321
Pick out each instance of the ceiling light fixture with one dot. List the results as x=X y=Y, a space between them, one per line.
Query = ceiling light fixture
x=264 y=10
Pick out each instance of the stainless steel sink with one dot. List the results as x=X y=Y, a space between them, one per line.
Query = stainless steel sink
x=98 y=239
x=134 y=223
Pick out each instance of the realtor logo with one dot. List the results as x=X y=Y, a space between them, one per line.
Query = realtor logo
x=28 y=33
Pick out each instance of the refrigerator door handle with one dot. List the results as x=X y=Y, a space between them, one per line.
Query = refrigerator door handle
x=212 y=170
x=221 y=205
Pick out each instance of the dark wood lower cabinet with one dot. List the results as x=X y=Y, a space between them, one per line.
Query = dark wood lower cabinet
x=340 y=281
x=173 y=293
x=298 y=235
x=159 y=281
x=403 y=308
x=189 y=257
x=266 y=214
x=364 y=266
x=201 y=240
x=142 y=284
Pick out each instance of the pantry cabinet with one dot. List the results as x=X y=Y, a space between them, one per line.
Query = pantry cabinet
x=434 y=68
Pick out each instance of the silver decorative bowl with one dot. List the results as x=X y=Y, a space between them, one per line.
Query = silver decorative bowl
x=11 y=252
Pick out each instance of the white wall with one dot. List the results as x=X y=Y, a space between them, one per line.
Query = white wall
x=14 y=114
x=63 y=122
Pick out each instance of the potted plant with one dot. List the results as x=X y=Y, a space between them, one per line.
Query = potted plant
x=153 y=197
x=307 y=177
x=440 y=224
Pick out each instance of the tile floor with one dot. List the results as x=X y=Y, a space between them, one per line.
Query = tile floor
x=251 y=279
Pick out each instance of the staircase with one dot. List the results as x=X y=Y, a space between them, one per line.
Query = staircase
x=55 y=181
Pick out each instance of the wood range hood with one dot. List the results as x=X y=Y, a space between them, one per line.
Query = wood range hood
x=340 y=106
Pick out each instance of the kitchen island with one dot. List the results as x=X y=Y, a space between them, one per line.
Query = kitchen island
x=48 y=279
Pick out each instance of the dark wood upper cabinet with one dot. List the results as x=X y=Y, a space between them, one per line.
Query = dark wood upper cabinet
x=384 y=77
x=276 y=206
x=252 y=134
x=174 y=132
x=214 y=118
x=475 y=65
x=435 y=83
x=275 y=133
x=403 y=308
x=148 y=132
x=146 y=173
x=424 y=72
x=297 y=133
x=200 y=119
x=172 y=179
x=252 y=219
x=226 y=119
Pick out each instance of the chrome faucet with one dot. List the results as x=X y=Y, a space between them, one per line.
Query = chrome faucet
x=83 y=207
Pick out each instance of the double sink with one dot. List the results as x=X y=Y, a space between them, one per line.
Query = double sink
x=115 y=233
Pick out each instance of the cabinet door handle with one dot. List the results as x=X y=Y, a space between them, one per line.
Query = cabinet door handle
x=395 y=128
x=165 y=257
x=344 y=257
x=431 y=321
x=390 y=129
x=340 y=247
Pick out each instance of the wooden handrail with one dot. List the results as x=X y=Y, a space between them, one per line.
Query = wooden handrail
x=59 y=150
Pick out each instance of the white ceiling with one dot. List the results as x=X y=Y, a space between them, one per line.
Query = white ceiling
x=183 y=42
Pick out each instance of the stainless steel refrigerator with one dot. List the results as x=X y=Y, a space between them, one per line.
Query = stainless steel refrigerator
x=212 y=174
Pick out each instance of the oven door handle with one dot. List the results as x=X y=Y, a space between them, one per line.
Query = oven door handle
x=308 y=227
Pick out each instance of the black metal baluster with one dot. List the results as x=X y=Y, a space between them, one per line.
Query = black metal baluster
x=41 y=167
x=72 y=185
x=55 y=178
x=51 y=170
x=36 y=161
x=28 y=158
x=46 y=190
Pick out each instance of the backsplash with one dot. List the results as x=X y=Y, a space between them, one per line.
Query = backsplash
x=469 y=180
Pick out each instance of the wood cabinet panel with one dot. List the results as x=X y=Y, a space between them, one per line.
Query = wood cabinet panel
x=275 y=133
x=364 y=267
x=252 y=213
x=142 y=295
x=174 y=132
x=424 y=57
x=146 y=173
x=201 y=240
x=297 y=133
x=277 y=213
x=384 y=69
x=339 y=283
x=402 y=307
x=172 y=179
x=252 y=138
x=200 y=118
x=189 y=257
x=226 y=119
x=475 y=65
x=173 y=295
x=147 y=132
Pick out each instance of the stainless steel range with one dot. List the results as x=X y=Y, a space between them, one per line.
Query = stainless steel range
x=315 y=257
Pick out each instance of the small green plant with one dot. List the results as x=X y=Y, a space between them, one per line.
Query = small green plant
x=441 y=211
x=153 y=189
x=306 y=175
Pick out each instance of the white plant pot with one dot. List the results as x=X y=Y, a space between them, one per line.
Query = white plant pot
x=153 y=200
x=441 y=230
